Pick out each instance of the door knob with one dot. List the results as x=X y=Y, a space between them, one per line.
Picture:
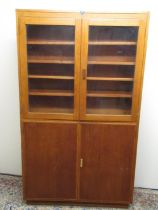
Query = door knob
x=81 y=163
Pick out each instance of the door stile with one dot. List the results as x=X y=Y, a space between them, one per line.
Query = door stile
x=23 y=74
x=138 y=70
x=84 y=62
x=77 y=67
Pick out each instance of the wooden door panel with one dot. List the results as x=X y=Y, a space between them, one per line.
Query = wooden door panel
x=49 y=161
x=107 y=152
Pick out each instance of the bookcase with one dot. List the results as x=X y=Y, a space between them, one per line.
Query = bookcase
x=80 y=80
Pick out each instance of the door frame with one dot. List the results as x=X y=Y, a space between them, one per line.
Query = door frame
x=113 y=20
x=23 y=72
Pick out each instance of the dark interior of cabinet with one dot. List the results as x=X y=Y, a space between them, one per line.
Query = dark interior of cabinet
x=109 y=97
x=109 y=86
x=50 y=50
x=122 y=33
x=119 y=50
x=111 y=69
x=59 y=103
x=51 y=69
x=50 y=32
x=114 y=71
x=48 y=84
x=53 y=104
x=109 y=106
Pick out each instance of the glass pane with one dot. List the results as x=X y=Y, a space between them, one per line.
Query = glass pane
x=108 y=106
x=50 y=52
x=111 y=69
x=121 y=33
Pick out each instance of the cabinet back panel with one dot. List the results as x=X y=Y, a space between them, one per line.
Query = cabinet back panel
x=112 y=50
x=46 y=50
x=51 y=69
x=113 y=33
x=109 y=85
x=110 y=71
x=51 y=84
x=50 y=32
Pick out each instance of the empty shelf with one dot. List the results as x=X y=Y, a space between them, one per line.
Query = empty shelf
x=115 y=94
x=111 y=42
x=50 y=42
x=51 y=93
x=51 y=59
x=113 y=60
x=110 y=78
x=35 y=76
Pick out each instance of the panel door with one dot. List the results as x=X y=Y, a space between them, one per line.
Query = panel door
x=111 y=64
x=49 y=55
x=49 y=161
x=107 y=162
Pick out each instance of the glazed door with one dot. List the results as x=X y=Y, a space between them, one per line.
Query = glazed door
x=107 y=164
x=49 y=161
x=49 y=63
x=111 y=64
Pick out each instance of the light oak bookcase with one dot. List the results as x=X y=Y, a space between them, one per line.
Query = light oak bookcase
x=80 y=77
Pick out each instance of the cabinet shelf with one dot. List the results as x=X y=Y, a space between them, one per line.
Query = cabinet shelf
x=51 y=59
x=49 y=42
x=108 y=111
x=112 y=60
x=50 y=93
x=33 y=76
x=110 y=94
x=111 y=42
x=45 y=109
x=110 y=78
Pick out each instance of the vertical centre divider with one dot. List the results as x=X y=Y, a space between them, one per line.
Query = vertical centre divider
x=84 y=63
x=78 y=169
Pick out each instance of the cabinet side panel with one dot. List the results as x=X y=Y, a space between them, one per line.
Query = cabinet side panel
x=50 y=161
